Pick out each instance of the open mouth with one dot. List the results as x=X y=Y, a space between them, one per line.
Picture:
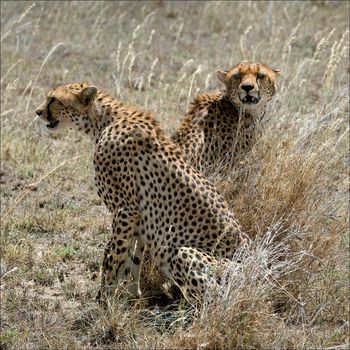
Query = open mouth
x=250 y=100
x=52 y=124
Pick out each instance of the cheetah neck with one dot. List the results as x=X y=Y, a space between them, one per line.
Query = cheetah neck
x=101 y=114
x=101 y=120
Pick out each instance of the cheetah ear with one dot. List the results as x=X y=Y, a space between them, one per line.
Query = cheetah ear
x=87 y=95
x=221 y=74
x=278 y=72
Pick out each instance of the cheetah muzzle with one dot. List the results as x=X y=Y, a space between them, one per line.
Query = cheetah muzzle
x=52 y=123
x=249 y=100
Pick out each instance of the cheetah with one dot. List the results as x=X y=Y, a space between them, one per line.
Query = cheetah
x=157 y=200
x=221 y=126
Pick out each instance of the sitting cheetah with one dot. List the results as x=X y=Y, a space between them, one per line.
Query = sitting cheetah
x=222 y=125
x=155 y=197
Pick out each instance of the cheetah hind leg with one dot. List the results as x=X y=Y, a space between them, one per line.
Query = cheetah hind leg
x=196 y=272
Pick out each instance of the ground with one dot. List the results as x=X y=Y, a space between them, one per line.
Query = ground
x=293 y=187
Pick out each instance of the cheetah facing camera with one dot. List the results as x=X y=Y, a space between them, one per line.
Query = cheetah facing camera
x=155 y=197
x=222 y=126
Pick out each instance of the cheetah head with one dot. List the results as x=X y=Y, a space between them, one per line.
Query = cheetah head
x=65 y=104
x=249 y=84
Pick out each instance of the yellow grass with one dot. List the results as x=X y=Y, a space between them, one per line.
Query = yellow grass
x=290 y=193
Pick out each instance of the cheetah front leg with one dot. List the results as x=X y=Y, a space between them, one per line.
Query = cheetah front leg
x=114 y=267
x=133 y=264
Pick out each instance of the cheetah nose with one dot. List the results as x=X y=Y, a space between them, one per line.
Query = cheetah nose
x=247 y=87
x=39 y=112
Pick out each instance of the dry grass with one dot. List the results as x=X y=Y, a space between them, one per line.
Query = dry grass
x=290 y=193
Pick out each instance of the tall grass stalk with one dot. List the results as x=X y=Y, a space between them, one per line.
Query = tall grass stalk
x=290 y=193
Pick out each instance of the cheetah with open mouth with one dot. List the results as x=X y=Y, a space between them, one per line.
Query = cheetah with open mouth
x=221 y=126
x=156 y=198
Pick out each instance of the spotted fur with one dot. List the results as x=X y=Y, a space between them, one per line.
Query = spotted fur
x=221 y=126
x=156 y=198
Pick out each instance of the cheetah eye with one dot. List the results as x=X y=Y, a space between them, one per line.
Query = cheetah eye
x=261 y=75
x=237 y=76
x=57 y=102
